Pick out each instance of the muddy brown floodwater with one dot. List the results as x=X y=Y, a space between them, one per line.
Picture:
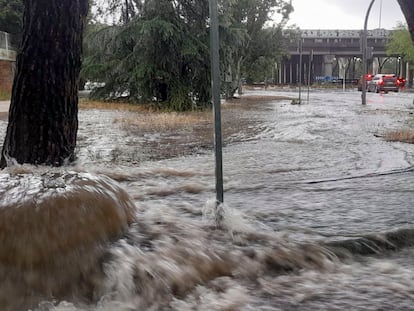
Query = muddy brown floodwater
x=312 y=193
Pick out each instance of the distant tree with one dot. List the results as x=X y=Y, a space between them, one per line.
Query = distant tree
x=401 y=44
x=407 y=7
x=123 y=11
x=269 y=48
x=11 y=17
x=43 y=120
x=247 y=40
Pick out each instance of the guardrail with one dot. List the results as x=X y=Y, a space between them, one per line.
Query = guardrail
x=7 y=47
x=5 y=41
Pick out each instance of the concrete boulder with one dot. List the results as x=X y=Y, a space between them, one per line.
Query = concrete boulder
x=54 y=229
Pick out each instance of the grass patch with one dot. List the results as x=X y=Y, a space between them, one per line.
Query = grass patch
x=161 y=121
x=96 y=104
x=5 y=95
x=405 y=136
x=148 y=117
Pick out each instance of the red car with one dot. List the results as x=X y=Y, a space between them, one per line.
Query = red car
x=383 y=83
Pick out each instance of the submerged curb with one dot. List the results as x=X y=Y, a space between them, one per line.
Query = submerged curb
x=4 y=105
x=373 y=244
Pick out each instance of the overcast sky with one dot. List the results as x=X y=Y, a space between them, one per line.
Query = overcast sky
x=345 y=14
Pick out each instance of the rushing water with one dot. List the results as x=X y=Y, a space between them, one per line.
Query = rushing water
x=297 y=179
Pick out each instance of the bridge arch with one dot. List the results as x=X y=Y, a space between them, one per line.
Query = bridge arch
x=335 y=54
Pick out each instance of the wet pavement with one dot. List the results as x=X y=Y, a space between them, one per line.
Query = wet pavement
x=4 y=105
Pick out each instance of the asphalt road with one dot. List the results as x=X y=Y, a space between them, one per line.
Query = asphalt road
x=4 y=106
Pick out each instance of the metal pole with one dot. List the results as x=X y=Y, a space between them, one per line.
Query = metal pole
x=380 y=15
x=215 y=90
x=343 y=79
x=344 y=83
x=364 y=55
x=300 y=68
x=309 y=72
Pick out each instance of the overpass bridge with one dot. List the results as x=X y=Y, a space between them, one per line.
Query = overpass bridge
x=318 y=55
x=7 y=62
x=324 y=55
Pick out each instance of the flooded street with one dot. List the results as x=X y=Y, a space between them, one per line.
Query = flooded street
x=322 y=165
x=296 y=178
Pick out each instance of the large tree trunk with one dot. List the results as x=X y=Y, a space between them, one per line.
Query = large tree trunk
x=43 y=119
x=407 y=7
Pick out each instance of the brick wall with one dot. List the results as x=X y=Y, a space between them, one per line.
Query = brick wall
x=6 y=75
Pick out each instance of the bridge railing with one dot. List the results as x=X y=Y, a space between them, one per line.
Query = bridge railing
x=8 y=51
x=7 y=41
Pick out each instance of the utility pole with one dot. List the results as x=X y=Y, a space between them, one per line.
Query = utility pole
x=215 y=90
x=364 y=56
x=300 y=67
x=309 y=72
x=380 y=15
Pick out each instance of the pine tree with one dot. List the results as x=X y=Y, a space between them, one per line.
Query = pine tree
x=43 y=120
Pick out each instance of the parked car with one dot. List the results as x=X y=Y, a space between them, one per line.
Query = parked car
x=368 y=77
x=383 y=83
x=401 y=82
x=90 y=85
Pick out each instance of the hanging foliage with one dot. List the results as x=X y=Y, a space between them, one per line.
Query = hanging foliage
x=160 y=53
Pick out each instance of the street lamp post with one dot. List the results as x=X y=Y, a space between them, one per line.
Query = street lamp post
x=300 y=67
x=215 y=90
x=364 y=56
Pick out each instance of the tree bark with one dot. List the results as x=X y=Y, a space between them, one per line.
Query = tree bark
x=43 y=118
x=407 y=7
